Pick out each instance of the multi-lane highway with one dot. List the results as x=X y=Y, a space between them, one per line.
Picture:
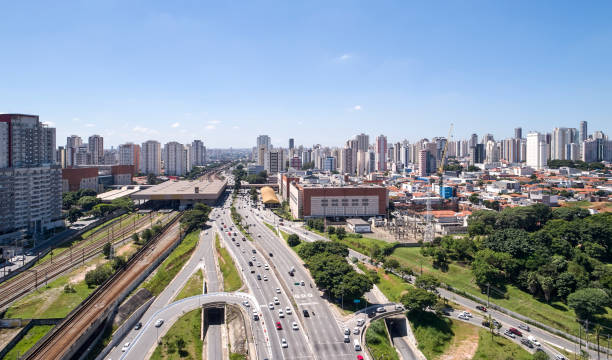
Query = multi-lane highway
x=324 y=328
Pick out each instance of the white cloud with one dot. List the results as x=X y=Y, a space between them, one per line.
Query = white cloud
x=343 y=57
x=144 y=130
x=214 y=122
x=90 y=125
x=76 y=119
x=175 y=125
x=357 y=107
x=235 y=127
x=210 y=127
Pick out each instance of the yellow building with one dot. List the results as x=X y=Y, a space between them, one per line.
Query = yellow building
x=268 y=197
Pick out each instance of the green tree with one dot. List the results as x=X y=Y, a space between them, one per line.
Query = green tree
x=353 y=286
x=331 y=230
x=135 y=238
x=106 y=250
x=74 y=214
x=588 y=302
x=418 y=299
x=88 y=202
x=340 y=233
x=293 y=240
x=146 y=235
x=391 y=264
x=427 y=282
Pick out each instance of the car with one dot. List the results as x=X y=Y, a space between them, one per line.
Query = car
x=360 y=322
x=560 y=357
x=265 y=277
x=305 y=312
x=523 y=327
x=509 y=334
x=533 y=340
x=463 y=317
x=266 y=267
x=481 y=308
x=258 y=264
x=250 y=263
x=233 y=239
x=276 y=302
x=290 y=273
x=252 y=271
x=258 y=277
x=254 y=251
x=380 y=309
x=302 y=283
x=159 y=322
x=258 y=235
x=359 y=357
x=229 y=233
x=252 y=258
x=281 y=314
x=356 y=331
x=125 y=346
x=138 y=326
x=243 y=238
x=467 y=313
x=271 y=255
x=284 y=343
x=246 y=303
x=271 y=306
x=237 y=244
x=278 y=290
x=288 y=310
x=515 y=331
x=279 y=326
x=347 y=331
x=527 y=343
x=294 y=326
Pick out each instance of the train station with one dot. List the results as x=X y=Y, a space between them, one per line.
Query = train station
x=182 y=194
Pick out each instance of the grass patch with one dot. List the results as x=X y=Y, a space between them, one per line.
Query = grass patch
x=433 y=333
x=391 y=285
x=231 y=277
x=32 y=336
x=236 y=356
x=555 y=314
x=498 y=348
x=182 y=341
x=193 y=287
x=51 y=301
x=377 y=341
x=168 y=269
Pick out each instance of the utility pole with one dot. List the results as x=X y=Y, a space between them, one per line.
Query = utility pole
x=488 y=288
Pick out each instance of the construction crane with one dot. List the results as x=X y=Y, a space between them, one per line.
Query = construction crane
x=429 y=233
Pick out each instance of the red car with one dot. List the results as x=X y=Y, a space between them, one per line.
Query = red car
x=359 y=357
x=515 y=332
x=481 y=308
x=279 y=326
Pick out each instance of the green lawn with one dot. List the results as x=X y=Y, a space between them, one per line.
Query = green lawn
x=433 y=333
x=185 y=332
x=378 y=343
x=167 y=270
x=236 y=356
x=33 y=335
x=52 y=301
x=498 y=348
x=193 y=287
x=391 y=285
x=555 y=314
x=231 y=277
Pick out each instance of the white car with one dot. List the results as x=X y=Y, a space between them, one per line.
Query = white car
x=266 y=267
x=246 y=303
x=467 y=314
x=284 y=343
x=463 y=317
x=294 y=326
x=271 y=306
x=356 y=331
x=288 y=310
x=534 y=340
x=278 y=290
x=276 y=302
x=281 y=314
x=125 y=346
x=265 y=277
x=159 y=322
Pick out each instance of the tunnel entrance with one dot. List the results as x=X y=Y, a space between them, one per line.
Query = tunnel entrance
x=213 y=315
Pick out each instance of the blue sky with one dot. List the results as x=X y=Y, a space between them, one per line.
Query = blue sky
x=316 y=71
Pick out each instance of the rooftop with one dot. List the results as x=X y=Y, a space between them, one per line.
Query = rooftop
x=183 y=189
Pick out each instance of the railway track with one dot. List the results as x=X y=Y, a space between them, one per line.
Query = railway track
x=42 y=273
x=62 y=338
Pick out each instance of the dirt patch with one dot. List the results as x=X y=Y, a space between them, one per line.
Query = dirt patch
x=236 y=330
x=6 y=335
x=126 y=249
x=462 y=348
x=80 y=276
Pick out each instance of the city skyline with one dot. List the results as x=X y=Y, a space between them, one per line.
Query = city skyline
x=174 y=73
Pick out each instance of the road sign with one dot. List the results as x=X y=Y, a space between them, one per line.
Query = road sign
x=356 y=301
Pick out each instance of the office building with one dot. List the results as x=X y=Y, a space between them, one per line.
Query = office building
x=274 y=161
x=291 y=144
x=583 y=133
x=363 y=142
x=518 y=133
x=329 y=164
x=198 y=153
x=150 y=157
x=536 y=150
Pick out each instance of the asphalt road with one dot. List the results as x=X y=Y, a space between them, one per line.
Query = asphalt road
x=325 y=331
x=265 y=291
x=214 y=347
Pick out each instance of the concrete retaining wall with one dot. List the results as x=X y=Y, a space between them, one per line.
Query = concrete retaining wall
x=29 y=323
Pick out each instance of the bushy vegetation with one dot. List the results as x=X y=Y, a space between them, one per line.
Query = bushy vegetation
x=330 y=270
x=195 y=218
x=101 y=209
x=555 y=255
x=378 y=342
x=578 y=164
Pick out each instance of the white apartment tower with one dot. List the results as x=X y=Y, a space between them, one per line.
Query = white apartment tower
x=536 y=150
x=174 y=159
x=150 y=157
x=95 y=144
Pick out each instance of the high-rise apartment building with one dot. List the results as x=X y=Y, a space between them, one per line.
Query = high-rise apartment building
x=291 y=144
x=30 y=182
x=329 y=164
x=518 y=133
x=174 y=159
x=583 y=134
x=536 y=150
x=129 y=154
x=198 y=153
x=73 y=142
x=95 y=145
x=274 y=161
x=150 y=157
x=381 y=153
x=363 y=142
